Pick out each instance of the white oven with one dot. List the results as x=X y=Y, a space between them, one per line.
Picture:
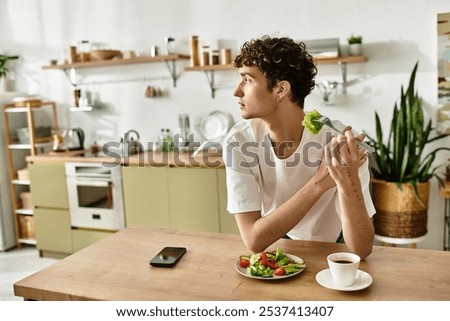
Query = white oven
x=95 y=196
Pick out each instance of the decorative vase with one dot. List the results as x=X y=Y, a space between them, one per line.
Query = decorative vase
x=401 y=213
x=355 y=49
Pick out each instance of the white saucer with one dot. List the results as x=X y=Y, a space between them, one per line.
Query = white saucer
x=362 y=281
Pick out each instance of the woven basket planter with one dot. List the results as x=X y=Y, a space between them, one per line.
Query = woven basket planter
x=399 y=212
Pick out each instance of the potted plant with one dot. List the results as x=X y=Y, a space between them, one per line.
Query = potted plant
x=4 y=70
x=355 y=45
x=402 y=168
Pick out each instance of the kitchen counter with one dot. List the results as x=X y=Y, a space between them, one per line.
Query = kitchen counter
x=117 y=268
x=147 y=158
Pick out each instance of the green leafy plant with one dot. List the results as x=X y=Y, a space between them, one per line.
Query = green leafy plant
x=402 y=159
x=354 y=39
x=3 y=61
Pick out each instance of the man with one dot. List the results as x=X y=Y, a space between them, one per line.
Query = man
x=281 y=179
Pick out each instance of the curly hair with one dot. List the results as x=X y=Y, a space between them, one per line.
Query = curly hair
x=281 y=59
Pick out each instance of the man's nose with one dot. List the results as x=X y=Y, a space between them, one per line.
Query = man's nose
x=238 y=92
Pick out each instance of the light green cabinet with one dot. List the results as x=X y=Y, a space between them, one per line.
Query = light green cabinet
x=53 y=232
x=48 y=185
x=83 y=238
x=51 y=208
x=177 y=197
x=146 y=198
x=193 y=199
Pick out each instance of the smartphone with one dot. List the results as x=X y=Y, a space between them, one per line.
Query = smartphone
x=168 y=256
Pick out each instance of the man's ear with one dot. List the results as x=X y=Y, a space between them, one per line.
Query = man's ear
x=283 y=89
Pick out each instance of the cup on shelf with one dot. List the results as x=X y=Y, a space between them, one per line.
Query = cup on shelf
x=343 y=267
x=170 y=45
x=154 y=51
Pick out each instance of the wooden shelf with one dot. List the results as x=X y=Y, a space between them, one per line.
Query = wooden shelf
x=210 y=68
x=169 y=60
x=319 y=61
x=343 y=61
x=340 y=60
x=11 y=108
x=29 y=146
x=118 y=62
x=21 y=182
x=20 y=185
x=24 y=211
x=27 y=241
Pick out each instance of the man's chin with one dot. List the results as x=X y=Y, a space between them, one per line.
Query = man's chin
x=245 y=115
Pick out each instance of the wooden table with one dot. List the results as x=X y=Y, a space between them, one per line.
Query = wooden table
x=117 y=268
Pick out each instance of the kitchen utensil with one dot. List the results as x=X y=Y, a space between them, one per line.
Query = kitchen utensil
x=75 y=139
x=327 y=88
x=131 y=143
x=326 y=121
x=58 y=143
x=183 y=124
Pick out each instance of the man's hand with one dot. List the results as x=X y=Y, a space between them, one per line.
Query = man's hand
x=343 y=157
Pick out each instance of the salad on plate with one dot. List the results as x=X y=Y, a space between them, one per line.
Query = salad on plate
x=271 y=264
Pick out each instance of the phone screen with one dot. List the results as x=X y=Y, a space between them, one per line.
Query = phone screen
x=168 y=256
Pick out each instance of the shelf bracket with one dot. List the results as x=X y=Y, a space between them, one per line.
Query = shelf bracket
x=71 y=74
x=171 y=66
x=211 y=80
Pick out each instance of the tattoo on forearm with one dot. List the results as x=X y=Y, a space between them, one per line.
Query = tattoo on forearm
x=355 y=190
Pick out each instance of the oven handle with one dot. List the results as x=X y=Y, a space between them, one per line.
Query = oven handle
x=99 y=182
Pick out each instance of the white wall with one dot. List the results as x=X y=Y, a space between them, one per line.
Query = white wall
x=396 y=35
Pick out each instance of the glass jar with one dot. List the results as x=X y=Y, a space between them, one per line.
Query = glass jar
x=215 y=57
x=83 y=49
x=205 y=56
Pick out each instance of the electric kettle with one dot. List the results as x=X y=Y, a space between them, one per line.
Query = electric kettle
x=75 y=139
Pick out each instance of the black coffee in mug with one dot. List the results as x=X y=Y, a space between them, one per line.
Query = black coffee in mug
x=341 y=261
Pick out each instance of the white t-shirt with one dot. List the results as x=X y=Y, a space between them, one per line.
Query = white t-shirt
x=257 y=180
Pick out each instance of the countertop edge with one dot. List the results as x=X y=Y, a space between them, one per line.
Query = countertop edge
x=145 y=159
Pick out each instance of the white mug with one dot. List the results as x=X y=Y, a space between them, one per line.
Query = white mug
x=343 y=267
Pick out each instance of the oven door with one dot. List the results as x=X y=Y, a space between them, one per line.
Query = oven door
x=96 y=202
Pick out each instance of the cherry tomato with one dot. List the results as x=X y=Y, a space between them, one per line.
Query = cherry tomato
x=244 y=263
x=280 y=271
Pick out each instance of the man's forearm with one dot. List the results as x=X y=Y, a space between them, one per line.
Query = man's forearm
x=357 y=226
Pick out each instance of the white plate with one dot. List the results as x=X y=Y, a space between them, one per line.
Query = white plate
x=216 y=125
x=243 y=271
x=362 y=281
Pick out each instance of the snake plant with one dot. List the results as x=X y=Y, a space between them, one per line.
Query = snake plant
x=404 y=158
